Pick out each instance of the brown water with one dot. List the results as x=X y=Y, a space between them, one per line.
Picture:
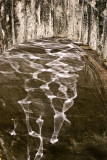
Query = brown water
x=52 y=103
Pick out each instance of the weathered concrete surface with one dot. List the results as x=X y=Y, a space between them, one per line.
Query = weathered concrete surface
x=82 y=20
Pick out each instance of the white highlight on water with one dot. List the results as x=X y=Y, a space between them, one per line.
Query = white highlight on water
x=62 y=73
x=13 y=133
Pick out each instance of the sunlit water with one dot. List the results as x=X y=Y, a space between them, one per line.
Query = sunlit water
x=46 y=72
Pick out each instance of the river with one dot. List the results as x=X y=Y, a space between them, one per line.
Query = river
x=51 y=103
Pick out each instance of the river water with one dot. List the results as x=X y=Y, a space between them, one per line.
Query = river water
x=51 y=100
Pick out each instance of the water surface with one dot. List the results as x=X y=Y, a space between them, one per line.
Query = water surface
x=52 y=103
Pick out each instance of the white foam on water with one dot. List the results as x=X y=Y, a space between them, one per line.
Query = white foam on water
x=67 y=105
x=21 y=44
x=51 y=96
x=45 y=87
x=32 y=57
x=24 y=101
x=46 y=70
x=33 y=134
x=64 y=75
x=35 y=75
x=28 y=152
x=13 y=133
x=63 y=89
x=39 y=154
x=59 y=119
x=70 y=45
x=25 y=105
x=57 y=63
x=29 y=89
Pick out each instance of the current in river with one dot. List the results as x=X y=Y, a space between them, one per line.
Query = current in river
x=51 y=105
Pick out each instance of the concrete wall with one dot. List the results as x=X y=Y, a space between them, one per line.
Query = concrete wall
x=25 y=19
x=94 y=25
x=81 y=20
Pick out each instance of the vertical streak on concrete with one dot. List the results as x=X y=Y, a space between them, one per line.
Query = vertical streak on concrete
x=105 y=33
x=34 y=28
x=1 y=36
x=69 y=19
x=105 y=38
x=13 y=27
x=1 y=49
x=51 y=19
x=38 y=19
x=81 y=25
x=73 y=17
x=25 y=19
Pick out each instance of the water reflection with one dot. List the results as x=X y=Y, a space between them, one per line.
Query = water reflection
x=48 y=73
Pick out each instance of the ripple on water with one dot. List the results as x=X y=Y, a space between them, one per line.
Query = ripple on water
x=48 y=72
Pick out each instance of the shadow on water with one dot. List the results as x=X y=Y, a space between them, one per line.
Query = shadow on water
x=52 y=103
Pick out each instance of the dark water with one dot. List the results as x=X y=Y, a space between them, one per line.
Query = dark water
x=52 y=103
